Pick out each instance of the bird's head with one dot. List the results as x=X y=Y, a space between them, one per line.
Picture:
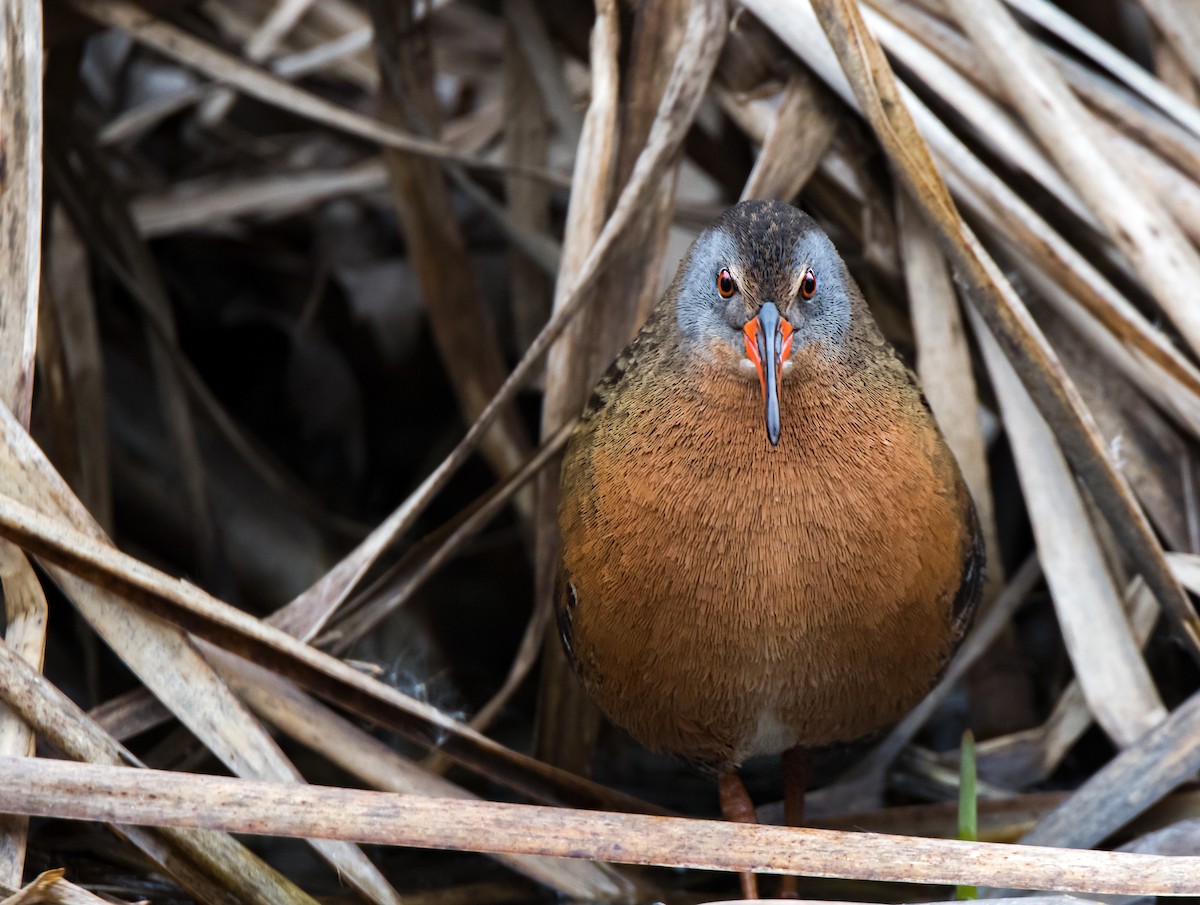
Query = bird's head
x=760 y=284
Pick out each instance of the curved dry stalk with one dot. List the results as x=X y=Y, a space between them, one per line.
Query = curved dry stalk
x=93 y=792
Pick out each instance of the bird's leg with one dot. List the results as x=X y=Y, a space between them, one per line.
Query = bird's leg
x=737 y=806
x=797 y=770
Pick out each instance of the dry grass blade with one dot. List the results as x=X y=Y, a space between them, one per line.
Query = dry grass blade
x=876 y=90
x=1187 y=569
x=944 y=365
x=1109 y=665
x=282 y=18
x=92 y=792
x=1160 y=252
x=526 y=142
x=70 y=306
x=1063 y=26
x=25 y=634
x=681 y=100
x=212 y=866
x=255 y=82
x=1145 y=355
x=1179 y=194
x=197 y=612
x=785 y=163
x=1170 y=68
x=529 y=33
x=1132 y=114
x=1031 y=756
x=329 y=54
x=1139 y=776
x=212 y=205
x=166 y=660
x=20 y=198
x=992 y=122
x=361 y=754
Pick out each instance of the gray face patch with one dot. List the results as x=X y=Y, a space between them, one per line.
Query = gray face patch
x=699 y=308
x=825 y=318
x=767 y=255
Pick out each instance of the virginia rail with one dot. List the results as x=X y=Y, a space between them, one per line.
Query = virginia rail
x=767 y=546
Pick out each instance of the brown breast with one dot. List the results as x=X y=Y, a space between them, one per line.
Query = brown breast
x=722 y=598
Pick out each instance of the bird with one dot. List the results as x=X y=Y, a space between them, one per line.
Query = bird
x=766 y=545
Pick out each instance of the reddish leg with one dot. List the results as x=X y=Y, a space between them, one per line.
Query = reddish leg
x=797 y=769
x=737 y=806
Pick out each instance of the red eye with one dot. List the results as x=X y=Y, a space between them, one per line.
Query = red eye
x=725 y=284
x=808 y=286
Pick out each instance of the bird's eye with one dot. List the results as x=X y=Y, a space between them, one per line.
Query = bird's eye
x=808 y=285
x=725 y=284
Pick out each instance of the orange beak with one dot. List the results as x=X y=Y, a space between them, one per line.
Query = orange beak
x=768 y=344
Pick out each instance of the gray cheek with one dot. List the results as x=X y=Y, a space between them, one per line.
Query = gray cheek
x=698 y=308
x=826 y=323
x=701 y=325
